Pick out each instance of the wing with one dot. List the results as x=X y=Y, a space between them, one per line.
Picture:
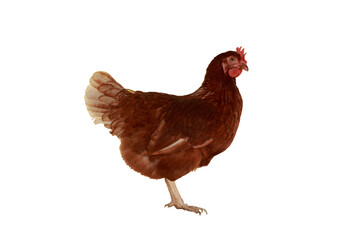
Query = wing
x=187 y=123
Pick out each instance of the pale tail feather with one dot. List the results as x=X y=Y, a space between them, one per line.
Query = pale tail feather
x=100 y=95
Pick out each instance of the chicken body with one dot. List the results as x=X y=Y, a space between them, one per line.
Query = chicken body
x=167 y=136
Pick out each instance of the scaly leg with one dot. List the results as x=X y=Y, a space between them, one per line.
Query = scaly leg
x=177 y=201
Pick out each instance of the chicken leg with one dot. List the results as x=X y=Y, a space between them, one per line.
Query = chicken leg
x=177 y=201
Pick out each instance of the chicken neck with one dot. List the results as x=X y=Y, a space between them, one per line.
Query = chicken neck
x=218 y=88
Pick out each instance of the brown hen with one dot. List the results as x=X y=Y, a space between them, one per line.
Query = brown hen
x=167 y=136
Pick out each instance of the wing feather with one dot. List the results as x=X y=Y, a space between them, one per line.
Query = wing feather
x=183 y=127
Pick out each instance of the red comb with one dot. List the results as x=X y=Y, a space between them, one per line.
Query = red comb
x=241 y=52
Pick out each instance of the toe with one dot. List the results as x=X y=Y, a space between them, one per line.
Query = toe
x=181 y=205
x=170 y=204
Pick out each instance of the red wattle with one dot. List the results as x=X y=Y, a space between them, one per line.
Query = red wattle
x=234 y=72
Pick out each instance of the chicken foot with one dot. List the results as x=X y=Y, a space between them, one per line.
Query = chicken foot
x=178 y=202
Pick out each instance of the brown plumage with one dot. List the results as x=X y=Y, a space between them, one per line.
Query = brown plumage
x=167 y=136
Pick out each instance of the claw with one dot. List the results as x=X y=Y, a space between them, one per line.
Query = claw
x=169 y=205
x=186 y=207
x=178 y=202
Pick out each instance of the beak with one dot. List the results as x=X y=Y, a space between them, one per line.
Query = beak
x=244 y=66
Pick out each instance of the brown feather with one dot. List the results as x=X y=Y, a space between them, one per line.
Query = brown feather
x=167 y=136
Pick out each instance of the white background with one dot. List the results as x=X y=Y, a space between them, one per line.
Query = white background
x=291 y=173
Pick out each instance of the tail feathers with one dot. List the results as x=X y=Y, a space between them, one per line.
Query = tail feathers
x=100 y=95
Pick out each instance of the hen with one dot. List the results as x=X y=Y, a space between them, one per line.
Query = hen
x=167 y=136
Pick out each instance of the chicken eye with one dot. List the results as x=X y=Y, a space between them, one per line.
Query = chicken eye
x=232 y=59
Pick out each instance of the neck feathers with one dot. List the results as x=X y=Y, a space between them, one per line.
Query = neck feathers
x=219 y=90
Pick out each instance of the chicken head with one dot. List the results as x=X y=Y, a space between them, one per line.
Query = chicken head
x=233 y=65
